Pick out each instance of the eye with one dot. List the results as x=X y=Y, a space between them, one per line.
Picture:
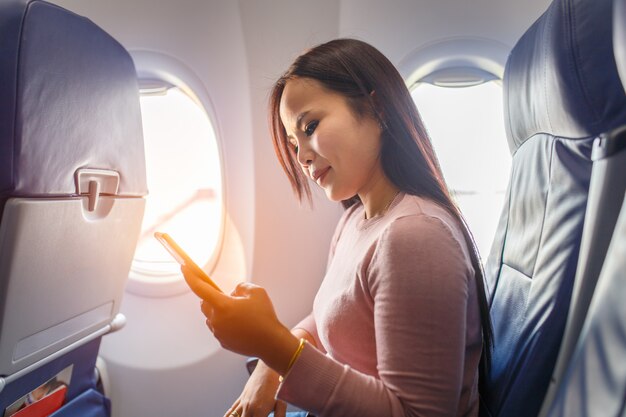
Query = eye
x=310 y=128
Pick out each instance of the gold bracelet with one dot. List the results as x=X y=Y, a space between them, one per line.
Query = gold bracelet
x=295 y=356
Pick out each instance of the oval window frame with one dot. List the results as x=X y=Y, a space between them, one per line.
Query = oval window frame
x=163 y=71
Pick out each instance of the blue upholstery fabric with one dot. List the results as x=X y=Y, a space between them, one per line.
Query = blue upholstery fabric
x=83 y=361
x=561 y=91
x=69 y=100
x=58 y=110
x=560 y=77
x=595 y=383
x=619 y=37
x=90 y=403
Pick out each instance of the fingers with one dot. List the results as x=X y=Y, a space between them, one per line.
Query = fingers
x=207 y=309
x=243 y=288
x=239 y=409
x=202 y=289
x=233 y=409
x=280 y=410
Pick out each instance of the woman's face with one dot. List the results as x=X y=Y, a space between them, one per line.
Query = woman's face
x=336 y=148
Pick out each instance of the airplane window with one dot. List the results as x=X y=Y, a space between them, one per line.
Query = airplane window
x=466 y=126
x=184 y=183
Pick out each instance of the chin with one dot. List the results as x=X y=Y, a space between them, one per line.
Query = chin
x=337 y=196
x=331 y=196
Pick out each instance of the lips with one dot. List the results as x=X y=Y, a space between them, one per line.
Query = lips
x=319 y=173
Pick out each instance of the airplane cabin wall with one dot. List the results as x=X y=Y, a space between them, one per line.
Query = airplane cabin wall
x=397 y=28
x=165 y=362
x=291 y=239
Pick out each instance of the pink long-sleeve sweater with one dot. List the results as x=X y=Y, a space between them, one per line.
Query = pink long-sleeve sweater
x=396 y=320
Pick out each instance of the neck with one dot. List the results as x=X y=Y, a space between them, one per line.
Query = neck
x=378 y=200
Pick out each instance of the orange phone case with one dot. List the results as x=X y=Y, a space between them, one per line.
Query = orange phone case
x=182 y=258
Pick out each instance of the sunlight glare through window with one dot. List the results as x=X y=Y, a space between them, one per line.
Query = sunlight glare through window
x=184 y=182
x=466 y=126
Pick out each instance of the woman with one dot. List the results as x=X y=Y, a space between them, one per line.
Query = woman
x=400 y=322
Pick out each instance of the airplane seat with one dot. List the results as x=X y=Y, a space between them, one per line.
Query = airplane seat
x=72 y=181
x=592 y=381
x=606 y=193
x=561 y=93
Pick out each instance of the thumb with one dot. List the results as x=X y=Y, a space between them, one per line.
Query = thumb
x=201 y=288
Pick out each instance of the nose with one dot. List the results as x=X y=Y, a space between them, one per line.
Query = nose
x=305 y=153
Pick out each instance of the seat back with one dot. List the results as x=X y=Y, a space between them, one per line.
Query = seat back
x=72 y=181
x=606 y=193
x=562 y=91
x=590 y=378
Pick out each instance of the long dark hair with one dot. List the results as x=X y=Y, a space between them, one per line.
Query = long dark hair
x=355 y=70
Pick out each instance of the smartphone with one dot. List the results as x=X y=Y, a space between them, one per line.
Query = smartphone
x=182 y=258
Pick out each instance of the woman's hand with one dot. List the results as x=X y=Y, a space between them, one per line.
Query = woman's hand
x=245 y=322
x=258 y=398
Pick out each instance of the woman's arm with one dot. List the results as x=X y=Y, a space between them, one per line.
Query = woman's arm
x=419 y=280
x=258 y=397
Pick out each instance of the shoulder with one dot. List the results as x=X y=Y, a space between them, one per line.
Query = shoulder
x=420 y=254
x=420 y=220
x=421 y=231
